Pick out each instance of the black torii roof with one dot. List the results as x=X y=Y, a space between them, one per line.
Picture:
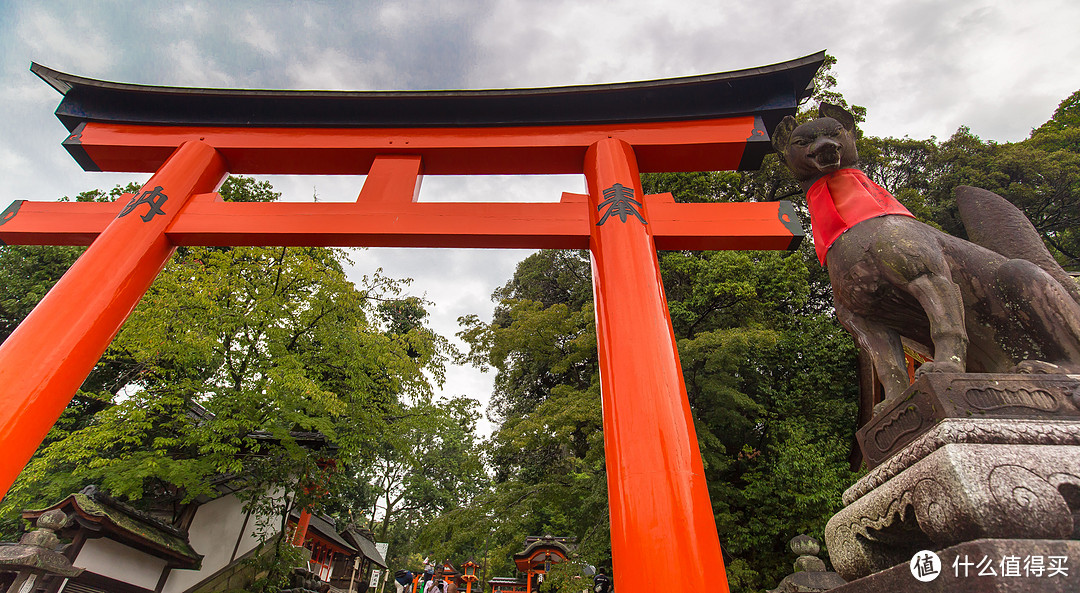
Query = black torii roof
x=769 y=92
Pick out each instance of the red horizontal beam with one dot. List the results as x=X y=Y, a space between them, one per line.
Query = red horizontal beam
x=57 y=223
x=206 y=220
x=703 y=145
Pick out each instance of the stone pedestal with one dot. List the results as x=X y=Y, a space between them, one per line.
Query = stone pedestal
x=960 y=460
x=958 y=576
x=937 y=396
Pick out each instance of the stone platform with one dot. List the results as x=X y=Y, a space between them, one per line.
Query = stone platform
x=963 y=458
x=961 y=492
x=961 y=564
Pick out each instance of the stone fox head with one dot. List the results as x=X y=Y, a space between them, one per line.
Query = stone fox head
x=817 y=147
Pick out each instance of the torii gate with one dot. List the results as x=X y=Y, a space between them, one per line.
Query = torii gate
x=191 y=139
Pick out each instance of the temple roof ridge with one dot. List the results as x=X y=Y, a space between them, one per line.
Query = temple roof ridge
x=767 y=91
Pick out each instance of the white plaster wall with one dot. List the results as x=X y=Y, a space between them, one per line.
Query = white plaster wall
x=257 y=530
x=112 y=559
x=213 y=534
x=252 y=535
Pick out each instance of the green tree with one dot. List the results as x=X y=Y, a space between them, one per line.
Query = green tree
x=256 y=363
x=427 y=465
x=1040 y=175
x=770 y=379
x=547 y=454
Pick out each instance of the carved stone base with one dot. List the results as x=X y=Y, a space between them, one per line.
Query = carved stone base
x=957 y=493
x=936 y=396
x=975 y=431
x=1019 y=556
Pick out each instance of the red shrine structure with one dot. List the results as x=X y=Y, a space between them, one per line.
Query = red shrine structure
x=191 y=139
x=533 y=563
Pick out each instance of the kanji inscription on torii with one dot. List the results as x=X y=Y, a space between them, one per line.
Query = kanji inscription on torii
x=192 y=138
x=620 y=202
x=153 y=198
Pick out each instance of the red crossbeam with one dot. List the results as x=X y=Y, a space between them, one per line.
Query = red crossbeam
x=206 y=220
x=701 y=145
x=386 y=214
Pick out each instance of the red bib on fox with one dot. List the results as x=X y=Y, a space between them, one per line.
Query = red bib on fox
x=843 y=199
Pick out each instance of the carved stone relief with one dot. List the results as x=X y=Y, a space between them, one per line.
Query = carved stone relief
x=936 y=396
x=958 y=493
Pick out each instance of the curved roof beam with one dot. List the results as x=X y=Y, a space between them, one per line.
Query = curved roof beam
x=769 y=92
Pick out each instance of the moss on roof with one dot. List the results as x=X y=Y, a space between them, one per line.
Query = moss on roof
x=131 y=525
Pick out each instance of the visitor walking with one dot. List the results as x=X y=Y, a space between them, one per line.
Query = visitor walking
x=403 y=581
x=601 y=582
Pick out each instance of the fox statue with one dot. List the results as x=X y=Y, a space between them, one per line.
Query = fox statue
x=1002 y=305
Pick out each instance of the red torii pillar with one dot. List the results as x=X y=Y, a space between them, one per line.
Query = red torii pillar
x=653 y=461
x=658 y=498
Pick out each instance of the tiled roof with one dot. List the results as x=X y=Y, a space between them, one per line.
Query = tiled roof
x=97 y=511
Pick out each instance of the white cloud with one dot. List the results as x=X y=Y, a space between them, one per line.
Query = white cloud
x=192 y=66
x=67 y=38
x=329 y=69
x=259 y=37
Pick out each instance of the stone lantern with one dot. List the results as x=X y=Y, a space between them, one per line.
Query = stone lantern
x=35 y=557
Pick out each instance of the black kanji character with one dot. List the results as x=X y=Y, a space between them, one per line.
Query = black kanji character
x=153 y=198
x=620 y=201
x=926 y=566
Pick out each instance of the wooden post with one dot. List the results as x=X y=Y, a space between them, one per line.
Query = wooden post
x=659 y=502
x=301 y=528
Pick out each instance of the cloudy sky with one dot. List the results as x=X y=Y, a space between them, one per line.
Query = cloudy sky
x=921 y=67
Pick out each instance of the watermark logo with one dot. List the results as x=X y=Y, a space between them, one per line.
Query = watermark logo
x=1037 y=566
x=925 y=566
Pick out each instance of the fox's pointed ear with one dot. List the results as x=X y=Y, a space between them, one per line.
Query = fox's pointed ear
x=782 y=133
x=839 y=114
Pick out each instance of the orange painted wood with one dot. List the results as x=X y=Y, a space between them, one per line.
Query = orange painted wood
x=392 y=179
x=502 y=225
x=58 y=223
x=43 y=362
x=301 y=528
x=661 y=516
x=701 y=145
x=390 y=221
